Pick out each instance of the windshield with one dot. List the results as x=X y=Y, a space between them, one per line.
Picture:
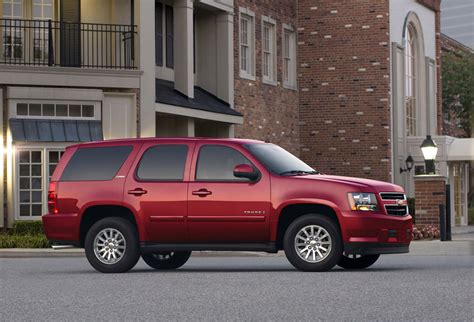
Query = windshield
x=278 y=160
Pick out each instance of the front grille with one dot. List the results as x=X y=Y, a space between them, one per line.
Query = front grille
x=392 y=196
x=396 y=210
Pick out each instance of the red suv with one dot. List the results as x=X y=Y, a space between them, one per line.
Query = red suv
x=164 y=198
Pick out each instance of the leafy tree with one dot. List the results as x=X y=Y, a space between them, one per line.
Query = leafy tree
x=458 y=87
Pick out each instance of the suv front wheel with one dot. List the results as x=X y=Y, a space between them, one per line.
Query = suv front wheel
x=112 y=245
x=313 y=243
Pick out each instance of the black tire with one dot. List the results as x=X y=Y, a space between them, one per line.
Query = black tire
x=361 y=262
x=131 y=254
x=334 y=254
x=166 y=260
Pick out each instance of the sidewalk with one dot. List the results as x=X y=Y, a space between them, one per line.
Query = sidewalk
x=461 y=245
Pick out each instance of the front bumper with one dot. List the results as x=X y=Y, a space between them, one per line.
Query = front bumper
x=373 y=233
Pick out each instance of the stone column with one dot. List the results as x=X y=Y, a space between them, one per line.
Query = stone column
x=430 y=192
x=183 y=47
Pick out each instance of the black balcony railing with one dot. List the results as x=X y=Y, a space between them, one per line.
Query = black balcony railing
x=57 y=43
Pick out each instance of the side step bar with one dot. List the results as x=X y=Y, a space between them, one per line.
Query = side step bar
x=149 y=247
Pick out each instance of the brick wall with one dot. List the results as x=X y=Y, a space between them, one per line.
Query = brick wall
x=270 y=112
x=344 y=86
x=430 y=193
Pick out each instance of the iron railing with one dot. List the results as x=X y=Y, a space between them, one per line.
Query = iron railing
x=57 y=43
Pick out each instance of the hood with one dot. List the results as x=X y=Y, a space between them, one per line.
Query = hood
x=377 y=186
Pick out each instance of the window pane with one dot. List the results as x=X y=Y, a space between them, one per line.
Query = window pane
x=36 y=157
x=22 y=109
x=35 y=109
x=61 y=110
x=75 y=110
x=53 y=156
x=218 y=163
x=87 y=111
x=164 y=162
x=51 y=169
x=36 y=196
x=24 y=210
x=24 y=183
x=36 y=210
x=48 y=110
x=24 y=196
x=36 y=183
x=36 y=170
x=96 y=164
x=24 y=170
x=24 y=156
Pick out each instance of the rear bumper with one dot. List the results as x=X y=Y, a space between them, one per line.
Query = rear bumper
x=375 y=248
x=62 y=228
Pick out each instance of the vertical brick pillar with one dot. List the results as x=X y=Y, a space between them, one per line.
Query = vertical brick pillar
x=430 y=192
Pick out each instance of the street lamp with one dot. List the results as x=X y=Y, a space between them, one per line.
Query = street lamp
x=408 y=164
x=429 y=150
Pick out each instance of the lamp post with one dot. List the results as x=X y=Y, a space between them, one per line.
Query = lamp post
x=429 y=150
x=408 y=164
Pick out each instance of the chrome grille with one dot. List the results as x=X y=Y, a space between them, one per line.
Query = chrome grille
x=392 y=196
x=396 y=210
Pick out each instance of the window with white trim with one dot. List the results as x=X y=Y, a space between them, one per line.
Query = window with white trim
x=59 y=110
x=13 y=35
x=289 y=58
x=42 y=11
x=247 y=44
x=410 y=80
x=269 y=50
x=34 y=168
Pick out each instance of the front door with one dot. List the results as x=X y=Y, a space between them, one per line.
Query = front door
x=157 y=187
x=221 y=207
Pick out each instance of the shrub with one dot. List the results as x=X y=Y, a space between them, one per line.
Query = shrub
x=24 y=241
x=27 y=228
x=425 y=232
x=470 y=218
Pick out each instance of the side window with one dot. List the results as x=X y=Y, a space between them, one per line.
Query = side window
x=96 y=164
x=217 y=163
x=163 y=162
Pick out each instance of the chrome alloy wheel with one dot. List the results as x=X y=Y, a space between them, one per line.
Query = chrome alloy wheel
x=109 y=246
x=313 y=243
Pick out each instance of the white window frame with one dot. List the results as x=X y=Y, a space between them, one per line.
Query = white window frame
x=272 y=78
x=164 y=72
x=97 y=114
x=44 y=175
x=249 y=72
x=289 y=81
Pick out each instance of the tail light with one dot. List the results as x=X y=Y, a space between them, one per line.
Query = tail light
x=52 y=198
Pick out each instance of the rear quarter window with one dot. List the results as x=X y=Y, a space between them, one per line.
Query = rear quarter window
x=96 y=164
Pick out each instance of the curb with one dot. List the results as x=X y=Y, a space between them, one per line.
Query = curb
x=417 y=248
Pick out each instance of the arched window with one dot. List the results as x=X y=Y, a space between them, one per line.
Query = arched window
x=411 y=79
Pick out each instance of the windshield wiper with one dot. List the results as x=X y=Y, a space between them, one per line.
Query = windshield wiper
x=299 y=172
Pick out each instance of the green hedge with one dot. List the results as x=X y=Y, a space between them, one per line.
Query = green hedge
x=411 y=207
x=470 y=218
x=24 y=234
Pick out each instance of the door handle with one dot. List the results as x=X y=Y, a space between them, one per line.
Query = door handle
x=137 y=192
x=202 y=192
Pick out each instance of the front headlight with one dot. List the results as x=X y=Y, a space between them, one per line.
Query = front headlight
x=362 y=201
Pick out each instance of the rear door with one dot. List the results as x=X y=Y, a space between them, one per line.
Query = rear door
x=221 y=207
x=157 y=186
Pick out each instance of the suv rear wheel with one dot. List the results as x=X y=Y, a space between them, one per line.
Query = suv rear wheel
x=112 y=246
x=313 y=243
x=357 y=261
x=166 y=260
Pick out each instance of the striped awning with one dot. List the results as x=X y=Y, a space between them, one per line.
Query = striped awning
x=39 y=130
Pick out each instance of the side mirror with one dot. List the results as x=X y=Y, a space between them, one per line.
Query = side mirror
x=246 y=171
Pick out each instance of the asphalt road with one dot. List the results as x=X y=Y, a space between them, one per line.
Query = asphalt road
x=398 y=287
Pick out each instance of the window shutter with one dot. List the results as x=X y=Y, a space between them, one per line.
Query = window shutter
x=169 y=37
x=158 y=33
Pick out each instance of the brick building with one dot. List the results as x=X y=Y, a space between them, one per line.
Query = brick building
x=352 y=87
